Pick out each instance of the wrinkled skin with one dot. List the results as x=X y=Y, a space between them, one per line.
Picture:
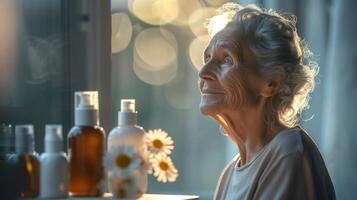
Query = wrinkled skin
x=235 y=94
x=225 y=82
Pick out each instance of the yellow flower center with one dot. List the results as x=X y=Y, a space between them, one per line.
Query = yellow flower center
x=164 y=166
x=122 y=161
x=121 y=192
x=157 y=144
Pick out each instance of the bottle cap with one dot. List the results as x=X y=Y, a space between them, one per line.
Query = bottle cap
x=53 y=138
x=86 y=108
x=24 y=138
x=127 y=115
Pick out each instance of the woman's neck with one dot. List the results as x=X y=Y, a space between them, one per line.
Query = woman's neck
x=248 y=130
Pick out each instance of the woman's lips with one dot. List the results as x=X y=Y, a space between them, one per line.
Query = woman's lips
x=206 y=89
x=211 y=92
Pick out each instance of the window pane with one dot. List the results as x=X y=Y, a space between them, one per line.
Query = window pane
x=35 y=71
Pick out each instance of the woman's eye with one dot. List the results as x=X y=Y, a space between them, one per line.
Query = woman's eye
x=228 y=60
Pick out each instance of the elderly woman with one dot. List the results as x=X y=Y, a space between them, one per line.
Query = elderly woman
x=255 y=82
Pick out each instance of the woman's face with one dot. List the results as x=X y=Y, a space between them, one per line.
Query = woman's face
x=225 y=82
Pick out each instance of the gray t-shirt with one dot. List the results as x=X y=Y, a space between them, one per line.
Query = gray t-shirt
x=289 y=167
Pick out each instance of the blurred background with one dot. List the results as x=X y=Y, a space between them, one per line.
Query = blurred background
x=151 y=50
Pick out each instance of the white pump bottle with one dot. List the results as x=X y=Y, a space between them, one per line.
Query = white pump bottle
x=129 y=133
x=54 y=165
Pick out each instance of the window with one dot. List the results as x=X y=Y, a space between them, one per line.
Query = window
x=56 y=53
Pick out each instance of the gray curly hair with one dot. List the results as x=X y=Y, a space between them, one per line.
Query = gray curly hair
x=279 y=52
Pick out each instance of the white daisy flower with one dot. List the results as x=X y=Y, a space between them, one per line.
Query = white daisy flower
x=124 y=186
x=122 y=159
x=164 y=169
x=158 y=142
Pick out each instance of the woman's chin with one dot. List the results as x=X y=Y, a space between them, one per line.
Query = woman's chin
x=208 y=108
x=211 y=104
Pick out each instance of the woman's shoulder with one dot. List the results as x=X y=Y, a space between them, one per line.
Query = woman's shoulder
x=294 y=155
x=291 y=141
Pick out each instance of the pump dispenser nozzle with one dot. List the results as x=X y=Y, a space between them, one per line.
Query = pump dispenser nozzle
x=85 y=101
x=86 y=108
x=53 y=139
x=127 y=105
x=127 y=114
x=24 y=138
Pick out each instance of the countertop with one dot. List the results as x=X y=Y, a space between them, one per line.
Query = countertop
x=144 y=197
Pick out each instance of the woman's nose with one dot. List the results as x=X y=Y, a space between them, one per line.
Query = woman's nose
x=206 y=72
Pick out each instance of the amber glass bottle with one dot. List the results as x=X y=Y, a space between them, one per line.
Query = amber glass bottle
x=86 y=148
x=27 y=164
x=87 y=145
x=28 y=175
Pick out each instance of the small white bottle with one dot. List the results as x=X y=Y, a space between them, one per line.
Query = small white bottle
x=129 y=133
x=54 y=165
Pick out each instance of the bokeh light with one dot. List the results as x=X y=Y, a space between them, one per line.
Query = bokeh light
x=157 y=47
x=155 y=56
x=186 y=8
x=121 y=32
x=216 y=3
x=154 y=12
x=179 y=93
x=197 y=22
x=158 y=77
x=195 y=51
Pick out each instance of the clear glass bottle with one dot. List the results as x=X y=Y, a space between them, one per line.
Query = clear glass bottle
x=86 y=148
x=27 y=168
x=7 y=164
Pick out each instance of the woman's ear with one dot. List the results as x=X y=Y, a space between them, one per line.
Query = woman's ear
x=270 y=87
